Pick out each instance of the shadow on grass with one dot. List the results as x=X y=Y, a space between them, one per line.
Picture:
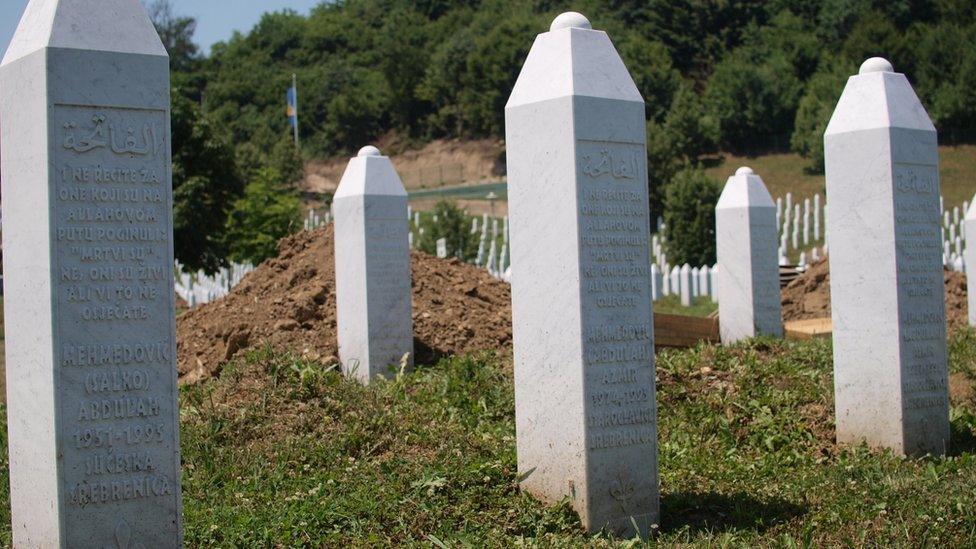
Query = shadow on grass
x=711 y=512
x=961 y=440
x=425 y=355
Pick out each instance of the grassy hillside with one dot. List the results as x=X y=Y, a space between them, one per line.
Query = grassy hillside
x=280 y=452
x=784 y=173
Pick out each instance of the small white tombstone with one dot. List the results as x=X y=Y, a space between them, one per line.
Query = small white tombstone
x=585 y=412
x=970 y=259
x=441 y=248
x=745 y=230
x=656 y=280
x=492 y=263
x=695 y=281
x=806 y=221
x=887 y=290
x=675 y=276
x=685 y=276
x=705 y=281
x=372 y=263
x=665 y=281
x=92 y=414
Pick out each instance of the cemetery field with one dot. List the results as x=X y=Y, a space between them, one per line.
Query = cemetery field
x=671 y=305
x=284 y=452
x=784 y=172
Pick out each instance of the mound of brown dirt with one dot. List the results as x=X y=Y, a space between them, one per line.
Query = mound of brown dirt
x=289 y=303
x=808 y=296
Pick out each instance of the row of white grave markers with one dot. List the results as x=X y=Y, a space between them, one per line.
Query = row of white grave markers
x=90 y=346
x=314 y=219
x=199 y=287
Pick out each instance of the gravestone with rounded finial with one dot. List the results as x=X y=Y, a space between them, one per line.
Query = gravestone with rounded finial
x=88 y=272
x=886 y=276
x=746 y=243
x=372 y=264
x=583 y=333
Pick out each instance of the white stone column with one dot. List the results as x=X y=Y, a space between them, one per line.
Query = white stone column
x=806 y=221
x=372 y=263
x=816 y=216
x=685 y=284
x=88 y=278
x=583 y=341
x=745 y=231
x=656 y=282
x=969 y=254
x=890 y=373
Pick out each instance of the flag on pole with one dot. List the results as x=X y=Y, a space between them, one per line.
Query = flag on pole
x=292 y=110
x=291 y=99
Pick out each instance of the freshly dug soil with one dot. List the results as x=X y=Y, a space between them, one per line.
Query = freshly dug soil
x=289 y=303
x=808 y=296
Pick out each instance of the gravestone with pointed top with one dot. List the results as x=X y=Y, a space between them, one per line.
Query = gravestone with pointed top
x=969 y=253
x=585 y=410
x=88 y=266
x=372 y=264
x=745 y=231
x=886 y=281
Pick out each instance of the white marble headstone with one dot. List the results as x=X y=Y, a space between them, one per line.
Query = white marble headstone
x=886 y=281
x=372 y=263
x=745 y=231
x=583 y=331
x=93 y=421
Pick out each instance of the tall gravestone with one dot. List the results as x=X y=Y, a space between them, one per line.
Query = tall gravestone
x=970 y=260
x=88 y=266
x=886 y=281
x=745 y=232
x=372 y=263
x=583 y=331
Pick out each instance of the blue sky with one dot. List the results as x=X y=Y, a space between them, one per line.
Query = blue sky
x=216 y=19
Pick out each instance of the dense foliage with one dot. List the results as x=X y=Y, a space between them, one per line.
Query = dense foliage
x=214 y=215
x=689 y=217
x=453 y=226
x=444 y=68
x=746 y=77
x=266 y=213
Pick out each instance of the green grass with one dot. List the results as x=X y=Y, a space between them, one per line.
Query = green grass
x=284 y=452
x=784 y=172
x=671 y=305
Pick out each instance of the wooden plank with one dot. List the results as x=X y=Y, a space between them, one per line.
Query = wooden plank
x=680 y=331
x=808 y=329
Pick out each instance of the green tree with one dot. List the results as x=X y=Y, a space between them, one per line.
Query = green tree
x=205 y=183
x=266 y=213
x=690 y=218
x=662 y=165
x=176 y=33
x=754 y=101
x=452 y=225
x=692 y=131
x=817 y=105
